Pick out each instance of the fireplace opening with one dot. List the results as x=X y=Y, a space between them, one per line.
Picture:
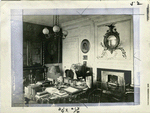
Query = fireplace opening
x=113 y=79
x=112 y=82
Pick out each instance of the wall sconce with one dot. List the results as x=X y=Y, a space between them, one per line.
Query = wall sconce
x=65 y=33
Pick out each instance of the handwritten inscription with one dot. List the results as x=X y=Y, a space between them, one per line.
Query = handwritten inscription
x=69 y=110
x=137 y=3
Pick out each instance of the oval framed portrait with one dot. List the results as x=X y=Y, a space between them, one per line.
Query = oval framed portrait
x=85 y=46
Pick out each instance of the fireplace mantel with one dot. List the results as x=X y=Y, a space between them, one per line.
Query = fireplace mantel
x=126 y=74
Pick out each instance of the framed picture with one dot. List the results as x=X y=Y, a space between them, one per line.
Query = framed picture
x=85 y=46
x=85 y=57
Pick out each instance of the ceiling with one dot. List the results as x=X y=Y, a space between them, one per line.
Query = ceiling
x=48 y=19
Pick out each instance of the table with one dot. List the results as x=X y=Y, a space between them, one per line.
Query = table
x=70 y=97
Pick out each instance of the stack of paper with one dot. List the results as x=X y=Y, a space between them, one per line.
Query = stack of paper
x=42 y=96
x=51 y=90
x=71 y=89
x=60 y=93
x=42 y=93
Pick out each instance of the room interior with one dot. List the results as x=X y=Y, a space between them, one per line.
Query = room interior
x=56 y=57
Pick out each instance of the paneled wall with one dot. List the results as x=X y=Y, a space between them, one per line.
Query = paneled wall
x=94 y=30
x=72 y=44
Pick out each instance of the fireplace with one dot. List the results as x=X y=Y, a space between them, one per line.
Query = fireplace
x=113 y=80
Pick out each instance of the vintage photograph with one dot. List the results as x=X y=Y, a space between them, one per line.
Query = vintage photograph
x=71 y=59
x=75 y=57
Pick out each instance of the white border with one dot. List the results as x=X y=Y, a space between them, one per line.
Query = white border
x=6 y=52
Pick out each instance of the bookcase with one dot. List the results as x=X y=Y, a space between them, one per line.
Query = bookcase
x=38 y=51
x=33 y=53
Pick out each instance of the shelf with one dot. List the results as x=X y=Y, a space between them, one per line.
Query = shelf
x=33 y=67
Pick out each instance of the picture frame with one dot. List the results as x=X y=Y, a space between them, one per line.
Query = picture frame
x=85 y=46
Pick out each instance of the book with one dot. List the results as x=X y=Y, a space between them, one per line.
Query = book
x=42 y=96
x=41 y=93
